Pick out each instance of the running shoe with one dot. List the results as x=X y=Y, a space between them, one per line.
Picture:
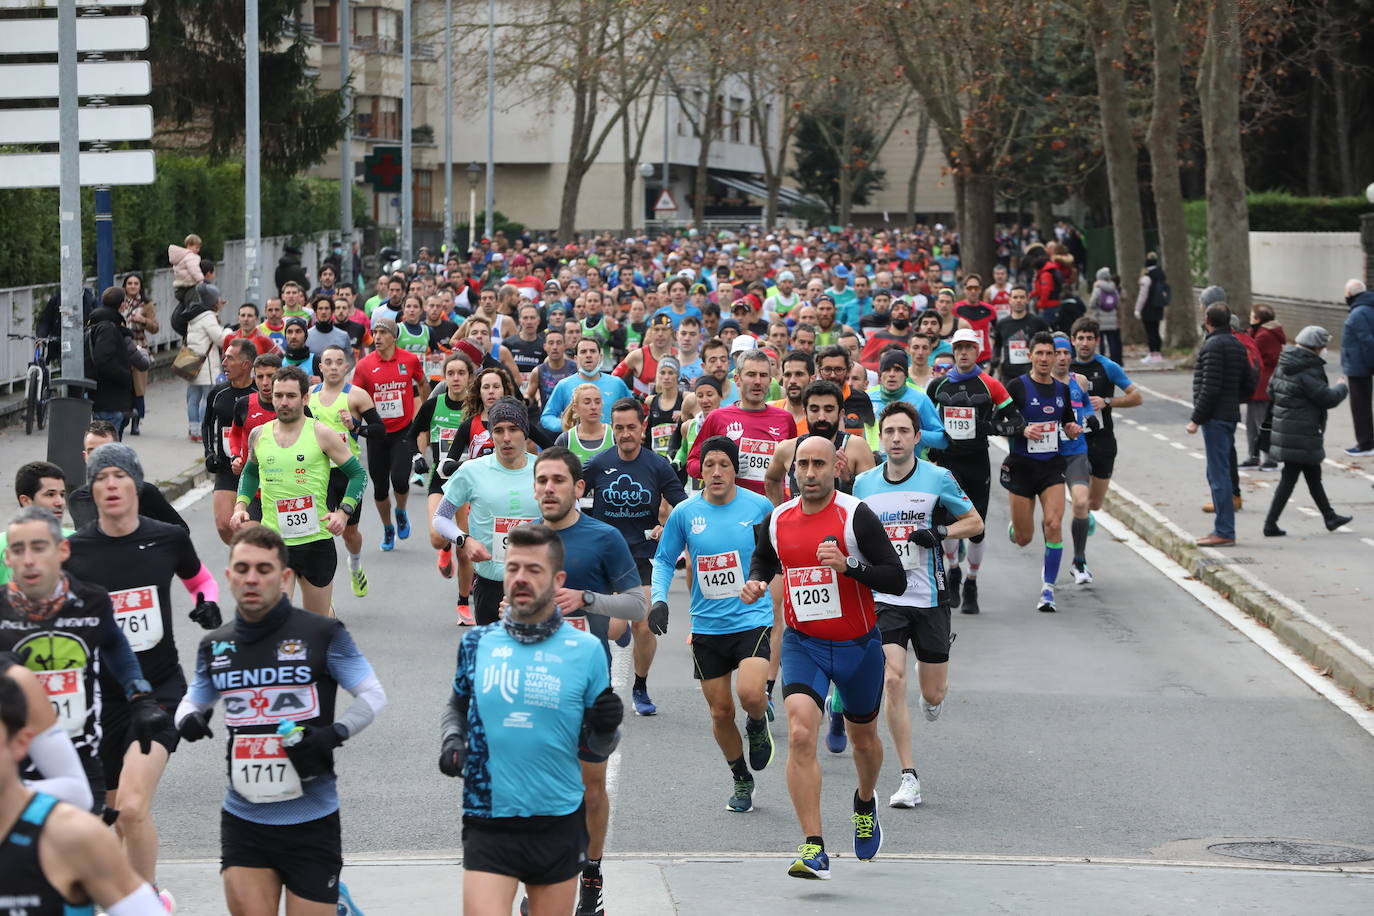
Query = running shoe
x=1251 y=462
x=742 y=802
x=165 y=898
x=1269 y=465
x=402 y=524
x=445 y=561
x=465 y=618
x=868 y=836
x=932 y=712
x=358 y=579
x=836 y=740
x=591 y=896
x=1011 y=533
x=1356 y=452
x=1092 y=524
x=1046 y=604
x=812 y=863
x=346 y=906
x=760 y=744
x=970 y=603
x=388 y=538
x=908 y=794
x=643 y=705
x=953 y=579
x=1081 y=574
x=770 y=708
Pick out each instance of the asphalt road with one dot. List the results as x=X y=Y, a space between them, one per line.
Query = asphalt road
x=1128 y=723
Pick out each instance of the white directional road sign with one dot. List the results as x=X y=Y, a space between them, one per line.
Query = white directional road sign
x=43 y=170
x=52 y=4
x=39 y=81
x=21 y=126
x=104 y=33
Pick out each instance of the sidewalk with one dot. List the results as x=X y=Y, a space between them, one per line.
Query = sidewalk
x=1313 y=588
x=702 y=885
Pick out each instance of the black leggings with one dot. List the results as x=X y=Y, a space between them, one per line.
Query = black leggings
x=1152 y=339
x=388 y=463
x=1288 y=478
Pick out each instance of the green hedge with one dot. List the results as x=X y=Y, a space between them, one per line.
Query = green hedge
x=1276 y=211
x=189 y=195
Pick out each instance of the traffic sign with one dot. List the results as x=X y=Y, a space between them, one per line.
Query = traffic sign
x=104 y=33
x=382 y=169
x=39 y=81
x=21 y=126
x=665 y=201
x=52 y=4
x=44 y=170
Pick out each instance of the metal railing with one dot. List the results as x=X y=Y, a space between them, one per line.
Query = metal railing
x=20 y=306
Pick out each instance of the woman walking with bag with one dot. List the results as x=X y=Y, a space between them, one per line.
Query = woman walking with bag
x=140 y=316
x=1301 y=399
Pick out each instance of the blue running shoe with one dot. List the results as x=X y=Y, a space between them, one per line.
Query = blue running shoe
x=643 y=705
x=812 y=863
x=770 y=708
x=742 y=801
x=346 y=906
x=402 y=524
x=835 y=738
x=388 y=538
x=868 y=836
x=1092 y=524
x=1046 y=605
x=760 y=743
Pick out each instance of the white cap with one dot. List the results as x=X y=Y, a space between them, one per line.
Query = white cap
x=967 y=335
x=686 y=273
x=743 y=342
x=498 y=257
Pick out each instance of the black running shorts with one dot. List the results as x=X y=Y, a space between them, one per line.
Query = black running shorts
x=717 y=654
x=114 y=725
x=926 y=629
x=1028 y=477
x=1102 y=454
x=307 y=857
x=534 y=850
x=314 y=561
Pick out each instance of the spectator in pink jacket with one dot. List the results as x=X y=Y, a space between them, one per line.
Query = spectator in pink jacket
x=185 y=261
x=1269 y=339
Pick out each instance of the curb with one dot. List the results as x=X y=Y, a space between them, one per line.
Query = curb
x=183 y=483
x=1292 y=624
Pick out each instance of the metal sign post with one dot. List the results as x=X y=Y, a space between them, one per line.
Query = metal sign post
x=252 y=157
x=346 y=146
x=69 y=197
x=407 y=162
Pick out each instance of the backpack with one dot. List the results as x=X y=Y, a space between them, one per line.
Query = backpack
x=1108 y=301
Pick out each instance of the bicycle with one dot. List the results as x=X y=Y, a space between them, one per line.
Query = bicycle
x=37 y=383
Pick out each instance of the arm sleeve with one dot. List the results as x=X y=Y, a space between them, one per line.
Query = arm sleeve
x=372 y=426
x=552 y=417
x=454 y=719
x=707 y=430
x=622 y=370
x=353 y=672
x=357 y=479
x=201 y=695
x=115 y=654
x=670 y=546
x=53 y=755
x=202 y=583
x=630 y=604
x=154 y=505
x=883 y=572
x=443 y=521
x=764 y=565
x=248 y=481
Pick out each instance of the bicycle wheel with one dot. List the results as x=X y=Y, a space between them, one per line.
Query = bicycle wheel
x=44 y=396
x=30 y=400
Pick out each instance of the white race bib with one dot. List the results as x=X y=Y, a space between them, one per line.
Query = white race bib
x=1048 y=443
x=434 y=364
x=719 y=575
x=446 y=437
x=661 y=435
x=66 y=690
x=139 y=615
x=297 y=517
x=500 y=536
x=389 y=405
x=578 y=622
x=906 y=550
x=754 y=457
x=224 y=443
x=959 y=422
x=260 y=771
x=1018 y=352
x=814 y=593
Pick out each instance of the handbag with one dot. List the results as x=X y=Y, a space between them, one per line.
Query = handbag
x=187 y=363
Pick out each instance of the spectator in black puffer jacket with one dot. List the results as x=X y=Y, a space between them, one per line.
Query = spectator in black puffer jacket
x=1220 y=376
x=1301 y=399
x=108 y=360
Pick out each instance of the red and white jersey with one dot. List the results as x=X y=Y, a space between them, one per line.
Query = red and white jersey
x=816 y=600
x=756 y=432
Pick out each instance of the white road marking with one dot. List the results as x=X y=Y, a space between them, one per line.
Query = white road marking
x=1199 y=456
x=1178 y=445
x=192 y=496
x=1165 y=397
x=1307 y=511
x=1160 y=436
x=621 y=664
x=1369 y=541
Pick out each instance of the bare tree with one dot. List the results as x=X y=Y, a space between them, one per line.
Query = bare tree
x=922 y=141
x=1228 y=210
x=698 y=97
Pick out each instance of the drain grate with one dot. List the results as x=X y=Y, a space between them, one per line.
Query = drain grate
x=1292 y=853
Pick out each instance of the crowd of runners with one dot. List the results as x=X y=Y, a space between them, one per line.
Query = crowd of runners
x=802 y=427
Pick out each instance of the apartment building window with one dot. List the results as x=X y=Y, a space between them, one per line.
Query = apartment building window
x=327 y=21
x=377 y=117
x=737 y=119
x=423 y=194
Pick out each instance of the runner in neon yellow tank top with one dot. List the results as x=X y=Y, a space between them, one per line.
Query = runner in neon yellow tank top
x=412 y=334
x=350 y=418
x=582 y=424
x=290 y=459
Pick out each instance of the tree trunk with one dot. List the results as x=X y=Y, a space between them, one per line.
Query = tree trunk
x=627 y=216
x=978 y=227
x=1314 y=135
x=699 y=180
x=922 y=142
x=1164 y=171
x=567 y=210
x=1119 y=147
x=1228 y=211
x=1340 y=93
x=848 y=174
x=1044 y=216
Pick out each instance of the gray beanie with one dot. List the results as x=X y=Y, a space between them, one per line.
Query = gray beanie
x=509 y=410
x=118 y=455
x=1211 y=295
x=1313 y=337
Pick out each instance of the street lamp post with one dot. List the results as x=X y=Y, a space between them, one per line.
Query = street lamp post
x=345 y=146
x=448 y=128
x=474 y=171
x=407 y=163
x=252 y=156
x=491 y=114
